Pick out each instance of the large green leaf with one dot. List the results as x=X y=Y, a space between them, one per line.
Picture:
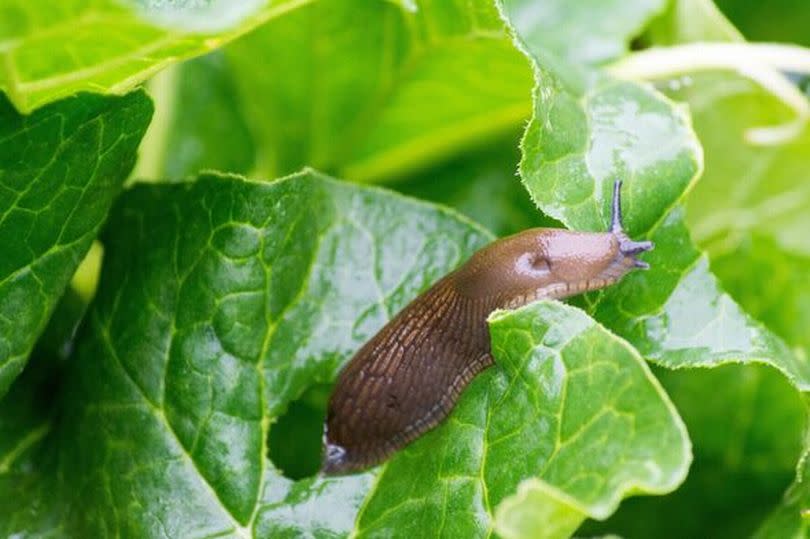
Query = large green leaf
x=53 y=50
x=746 y=424
x=747 y=435
x=370 y=90
x=763 y=189
x=755 y=417
x=220 y=302
x=227 y=303
x=570 y=409
x=199 y=124
x=581 y=138
x=175 y=439
x=750 y=211
x=587 y=130
x=60 y=170
x=406 y=89
x=677 y=313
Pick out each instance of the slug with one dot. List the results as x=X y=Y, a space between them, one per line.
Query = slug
x=408 y=377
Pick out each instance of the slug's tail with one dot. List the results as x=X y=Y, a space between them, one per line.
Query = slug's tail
x=334 y=459
x=627 y=246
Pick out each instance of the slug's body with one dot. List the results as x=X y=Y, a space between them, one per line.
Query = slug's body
x=407 y=378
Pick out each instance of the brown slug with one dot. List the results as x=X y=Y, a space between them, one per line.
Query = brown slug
x=408 y=377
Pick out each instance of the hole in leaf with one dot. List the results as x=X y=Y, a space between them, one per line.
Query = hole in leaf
x=295 y=439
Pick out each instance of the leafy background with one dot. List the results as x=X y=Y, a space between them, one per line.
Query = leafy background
x=186 y=398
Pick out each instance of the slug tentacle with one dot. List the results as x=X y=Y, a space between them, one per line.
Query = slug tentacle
x=408 y=377
x=616 y=226
x=626 y=245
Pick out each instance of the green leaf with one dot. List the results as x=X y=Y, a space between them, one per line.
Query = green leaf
x=771 y=284
x=588 y=130
x=26 y=410
x=676 y=313
x=569 y=408
x=227 y=306
x=25 y=416
x=764 y=189
x=369 y=90
x=791 y=518
x=686 y=21
x=567 y=31
x=483 y=185
x=53 y=51
x=60 y=170
x=538 y=510
x=777 y=20
x=746 y=424
x=750 y=211
x=221 y=302
x=198 y=125
x=576 y=145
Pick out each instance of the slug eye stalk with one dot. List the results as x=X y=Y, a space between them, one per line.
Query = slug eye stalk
x=627 y=246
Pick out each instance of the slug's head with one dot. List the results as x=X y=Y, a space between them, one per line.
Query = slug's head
x=554 y=263
x=592 y=260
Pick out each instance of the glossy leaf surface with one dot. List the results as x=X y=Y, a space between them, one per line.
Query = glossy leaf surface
x=60 y=170
x=113 y=46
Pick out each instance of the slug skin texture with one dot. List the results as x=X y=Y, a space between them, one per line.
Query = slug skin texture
x=408 y=377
